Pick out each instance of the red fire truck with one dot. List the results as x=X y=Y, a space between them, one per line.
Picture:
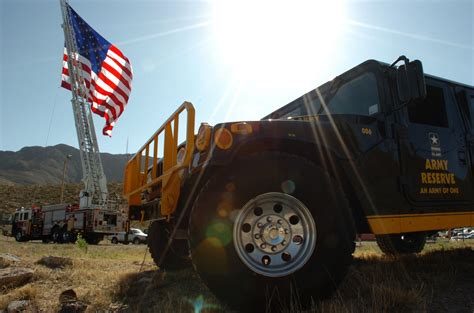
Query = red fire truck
x=61 y=223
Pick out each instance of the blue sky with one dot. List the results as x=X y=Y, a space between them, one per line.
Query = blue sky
x=234 y=60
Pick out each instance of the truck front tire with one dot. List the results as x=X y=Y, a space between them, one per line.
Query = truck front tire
x=177 y=256
x=268 y=228
x=19 y=236
x=401 y=243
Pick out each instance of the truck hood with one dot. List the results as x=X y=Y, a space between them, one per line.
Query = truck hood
x=346 y=136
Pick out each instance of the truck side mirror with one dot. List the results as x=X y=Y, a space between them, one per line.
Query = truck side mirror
x=411 y=81
x=417 y=80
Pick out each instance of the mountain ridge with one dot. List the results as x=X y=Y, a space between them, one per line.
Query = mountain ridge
x=44 y=165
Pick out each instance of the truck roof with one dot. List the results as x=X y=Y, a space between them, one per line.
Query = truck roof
x=368 y=63
x=451 y=82
x=385 y=65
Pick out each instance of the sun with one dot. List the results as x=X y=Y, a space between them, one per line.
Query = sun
x=262 y=38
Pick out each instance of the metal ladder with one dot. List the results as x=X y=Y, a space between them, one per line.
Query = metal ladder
x=93 y=174
x=95 y=184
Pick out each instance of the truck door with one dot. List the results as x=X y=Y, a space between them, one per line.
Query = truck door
x=15 y=219
x=470 y=135
x=434 y=156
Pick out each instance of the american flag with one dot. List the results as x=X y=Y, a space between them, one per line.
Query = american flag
x=105 y=71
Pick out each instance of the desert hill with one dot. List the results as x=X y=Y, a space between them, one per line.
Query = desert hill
x=44 y=165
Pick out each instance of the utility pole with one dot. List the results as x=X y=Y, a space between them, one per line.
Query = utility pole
x=64 y=174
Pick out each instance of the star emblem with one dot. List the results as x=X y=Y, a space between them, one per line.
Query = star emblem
x=434 y=139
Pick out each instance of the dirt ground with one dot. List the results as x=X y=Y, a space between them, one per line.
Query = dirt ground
x=123 y=278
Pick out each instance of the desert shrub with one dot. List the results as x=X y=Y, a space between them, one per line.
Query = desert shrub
x=81 y=243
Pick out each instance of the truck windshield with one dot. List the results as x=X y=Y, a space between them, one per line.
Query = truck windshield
x=357 y=96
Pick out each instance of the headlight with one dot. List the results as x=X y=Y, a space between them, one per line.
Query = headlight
x=223 y=138
x=203 y=137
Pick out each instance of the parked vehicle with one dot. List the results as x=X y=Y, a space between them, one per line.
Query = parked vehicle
x=62 y=223
x=134 y=235
x=463 y=236
x=271 y=207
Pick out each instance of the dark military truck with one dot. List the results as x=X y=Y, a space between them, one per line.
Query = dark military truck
x=269 y=209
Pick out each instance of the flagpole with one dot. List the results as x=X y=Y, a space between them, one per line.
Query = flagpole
x=95 y=184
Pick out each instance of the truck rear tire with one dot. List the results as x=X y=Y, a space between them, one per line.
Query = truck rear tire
x=67 y=237
x=57 y=235
x=114 y=240
x=401 y=243
x=177 y=256
x=19 y=236
x=269 y=229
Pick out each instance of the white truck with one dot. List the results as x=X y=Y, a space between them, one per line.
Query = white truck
x=134 y=235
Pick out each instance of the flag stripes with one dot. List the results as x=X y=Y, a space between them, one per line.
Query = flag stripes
x=105 y=73
x=109 y=91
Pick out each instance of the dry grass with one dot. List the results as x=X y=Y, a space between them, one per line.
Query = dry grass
x=439 y=280
x=94 y=276
x=28 y=292
x=154 y=291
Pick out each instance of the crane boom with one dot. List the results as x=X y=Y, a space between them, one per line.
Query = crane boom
x=95 y=183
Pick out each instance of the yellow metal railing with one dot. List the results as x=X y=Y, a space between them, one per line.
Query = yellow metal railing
x=135 y=181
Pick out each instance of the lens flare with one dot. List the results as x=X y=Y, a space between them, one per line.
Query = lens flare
x=230 y=187
x=220 y=230
x=200 y=304
x=288 y=187
x=224 y=208
x=210 y=256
